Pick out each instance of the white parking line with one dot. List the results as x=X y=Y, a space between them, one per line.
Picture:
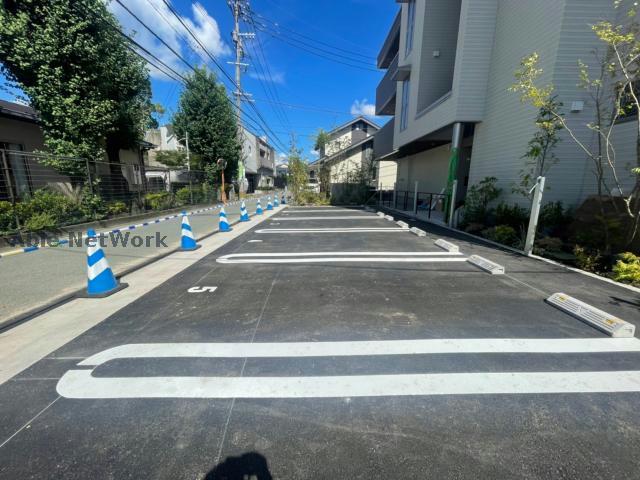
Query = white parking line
x=346 y=217
x=333 y=230
x=365 y=348
x=342 y=260
x=80 y=384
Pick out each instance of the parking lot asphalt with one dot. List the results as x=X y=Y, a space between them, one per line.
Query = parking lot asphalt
x=384 y=357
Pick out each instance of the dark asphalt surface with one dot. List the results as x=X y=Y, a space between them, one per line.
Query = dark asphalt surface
x=531 y=436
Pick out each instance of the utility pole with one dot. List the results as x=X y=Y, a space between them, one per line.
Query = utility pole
x=239 y=8
x=189 y=168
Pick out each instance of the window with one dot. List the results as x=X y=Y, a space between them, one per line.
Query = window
x=627 y=105
x=404 y=112
x=19 y=177
x=411 y=20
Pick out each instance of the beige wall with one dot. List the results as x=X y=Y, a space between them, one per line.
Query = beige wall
x=341 y=140
x=430 y=168
x=387 y=173
x=342 y=169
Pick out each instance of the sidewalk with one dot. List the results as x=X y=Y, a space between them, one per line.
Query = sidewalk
x=37 y=279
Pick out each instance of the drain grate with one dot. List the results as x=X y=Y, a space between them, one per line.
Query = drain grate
x=609 y=324
x=448 y=246
x=486 y=265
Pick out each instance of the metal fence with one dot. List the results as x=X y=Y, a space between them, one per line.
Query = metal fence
x=64 y=190
x=427 y=205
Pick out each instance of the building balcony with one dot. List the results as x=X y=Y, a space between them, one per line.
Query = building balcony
x=383 y=143
x=391 y=44
x=386 y=90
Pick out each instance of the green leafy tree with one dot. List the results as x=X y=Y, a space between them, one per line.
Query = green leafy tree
x=321 y=140
x=205 y=112
x=540 y=156
x=298 y=176
x=178 y=159
x=70 y=59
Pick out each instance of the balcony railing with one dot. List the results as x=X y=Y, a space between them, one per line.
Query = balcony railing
x=386 y=91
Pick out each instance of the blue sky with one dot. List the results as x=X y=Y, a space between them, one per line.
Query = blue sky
x=349 y=31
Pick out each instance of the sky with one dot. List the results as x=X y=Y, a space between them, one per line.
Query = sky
x=288 y=57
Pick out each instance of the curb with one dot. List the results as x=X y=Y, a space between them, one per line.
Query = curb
x=515 y=250
x=117 y=230
x=67 y=297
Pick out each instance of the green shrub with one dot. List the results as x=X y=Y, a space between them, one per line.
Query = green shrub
x=7 y=217
x=549 y=244
x=504 y=234
x=117 y=207
x=554 y=217
x=627 y=269
x=159 y=200
x=41 y=221
x=183 y=196
x=588 y=260
x=91 y=205
x=479 y=196
x=513 y=215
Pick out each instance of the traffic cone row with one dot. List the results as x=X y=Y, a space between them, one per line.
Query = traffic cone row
x=100 y=278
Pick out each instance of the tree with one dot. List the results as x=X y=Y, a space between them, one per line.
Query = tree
x=321 y=140
x=298 y=176
x=206 y=113
x=614 y=92
x=92 y=93
x=540 y=157
x=178 y=159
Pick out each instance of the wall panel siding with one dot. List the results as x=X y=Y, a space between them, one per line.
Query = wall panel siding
x=501 y=138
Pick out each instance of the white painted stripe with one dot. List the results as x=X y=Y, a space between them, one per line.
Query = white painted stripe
x=354 y=254
x=334 y=210
x=344 y=260
x=365 y=348
x=80 y=384
x=254 y=241
x=97 y=268
x=350 y=217
x=333 y=230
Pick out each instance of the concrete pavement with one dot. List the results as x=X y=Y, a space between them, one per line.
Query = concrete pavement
x=336 y=369
x=36 y=278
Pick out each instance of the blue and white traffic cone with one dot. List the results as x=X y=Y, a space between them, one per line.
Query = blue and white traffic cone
x=275 y=201
x=244 y=214
x=224 y=223
x=101 y=280
x=259 y=208
x=284 y=200
x=269 y=204
x=187 y=240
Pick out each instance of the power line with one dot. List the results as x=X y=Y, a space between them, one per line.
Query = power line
x=333 y=47
x=217 y=64
x=321 y=55
x=313 y=25
x=174 y=75
x=265 y=127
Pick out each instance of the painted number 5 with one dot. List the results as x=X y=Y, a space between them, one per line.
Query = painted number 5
x=202 y=289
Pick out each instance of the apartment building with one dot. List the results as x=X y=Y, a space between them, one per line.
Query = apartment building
x=259 y=162
x=449 y=66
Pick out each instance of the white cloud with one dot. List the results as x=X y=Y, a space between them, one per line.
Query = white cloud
x=361 y=107
x=315 y=153
x=156 y=15
x=277 y=77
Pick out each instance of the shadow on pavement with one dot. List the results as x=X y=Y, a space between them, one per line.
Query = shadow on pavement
x=247 y=466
